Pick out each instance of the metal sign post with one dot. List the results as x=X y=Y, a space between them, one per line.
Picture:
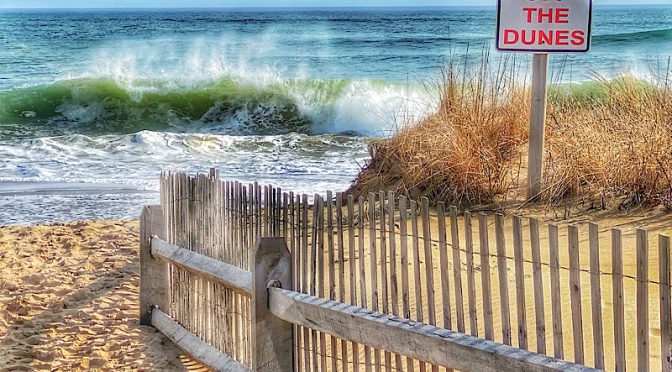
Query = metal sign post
x=542 y=27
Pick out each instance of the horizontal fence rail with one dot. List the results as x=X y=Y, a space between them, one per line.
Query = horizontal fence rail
x=595 y=296
x=231 y=277
x=427 y=343
x=193 y=345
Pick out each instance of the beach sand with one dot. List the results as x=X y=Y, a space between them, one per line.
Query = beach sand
x=69 y=294
x=69 y=301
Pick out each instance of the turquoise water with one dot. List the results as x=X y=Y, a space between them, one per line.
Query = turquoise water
x=97 y=98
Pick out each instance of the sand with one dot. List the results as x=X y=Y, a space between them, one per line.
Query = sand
x=69 y=301
x=69 y=294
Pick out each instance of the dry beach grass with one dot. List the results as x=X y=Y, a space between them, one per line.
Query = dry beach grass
x=615 y=144
x=608 y=141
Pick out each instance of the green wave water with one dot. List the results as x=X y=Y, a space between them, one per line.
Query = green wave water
x=229 y=106
x=104 y=106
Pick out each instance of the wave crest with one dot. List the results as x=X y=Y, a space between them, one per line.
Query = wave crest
x=639 y=37
x=226 y=106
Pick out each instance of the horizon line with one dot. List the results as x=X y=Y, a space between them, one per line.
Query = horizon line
x=302 y=7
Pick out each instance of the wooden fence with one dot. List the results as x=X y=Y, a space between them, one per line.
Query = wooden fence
x=506 y=280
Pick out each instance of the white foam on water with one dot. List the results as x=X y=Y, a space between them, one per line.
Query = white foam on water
x=362 y=106
x=137 y=159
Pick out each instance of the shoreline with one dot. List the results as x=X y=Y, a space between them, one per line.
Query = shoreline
x=31 y=203
x=27 y=188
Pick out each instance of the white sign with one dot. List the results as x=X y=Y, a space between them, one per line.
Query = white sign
x=544 y=26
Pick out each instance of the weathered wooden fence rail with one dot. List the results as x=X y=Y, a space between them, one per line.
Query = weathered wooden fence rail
x=438 y=346
x=551 y=290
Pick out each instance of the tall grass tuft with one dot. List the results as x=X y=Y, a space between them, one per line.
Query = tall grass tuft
x=616 y=147
x=458 y=154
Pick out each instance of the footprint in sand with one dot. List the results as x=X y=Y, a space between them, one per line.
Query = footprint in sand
x=18 y=306
x=34 y=279
x=11 y=286
x=34 y=340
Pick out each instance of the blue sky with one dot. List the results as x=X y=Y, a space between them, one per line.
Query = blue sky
x=262 y=3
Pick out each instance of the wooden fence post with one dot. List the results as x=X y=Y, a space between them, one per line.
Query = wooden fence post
x=272 y=338
x=154 y=274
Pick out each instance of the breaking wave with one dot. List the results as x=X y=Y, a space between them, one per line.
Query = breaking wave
x=225 y=106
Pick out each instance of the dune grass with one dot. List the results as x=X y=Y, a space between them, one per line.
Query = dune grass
x=614 y=147
x=606 y=140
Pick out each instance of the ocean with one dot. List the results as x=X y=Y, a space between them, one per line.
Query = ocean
x=94 y=104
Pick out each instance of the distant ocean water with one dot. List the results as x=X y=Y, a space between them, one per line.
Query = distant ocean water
x=95 y=104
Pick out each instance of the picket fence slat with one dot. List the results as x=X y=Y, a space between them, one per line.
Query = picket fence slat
x=319 y=201
x=374 y=267
x=665 y=304
x=429 y=266
x=394 y=285
x=575 y=292
x=642 y=300
x=443 y=261
x=384 y=262
x=503 y=279
x=417 y=284
x=331 y=257
x=596 y=295
x=317 y=365
x=556 y=301
x=362 y=273
x=619 y=312
x=340 y=238
x=537 y=274
x=405 y=264
x=471 y=281
x=520 y=281
x=457 y=269
x=485 y=276
x=308 y=360
x=352 y=271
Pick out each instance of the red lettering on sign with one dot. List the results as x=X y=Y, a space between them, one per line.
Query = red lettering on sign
x=551 y=15
x=561 y=37
x=510 y=36
x=543 y=15
x=532 y=34
x=545 y=38
x=578 y=37
x=562 y=15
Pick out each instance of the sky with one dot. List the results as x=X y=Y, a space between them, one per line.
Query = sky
x=264 y=3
